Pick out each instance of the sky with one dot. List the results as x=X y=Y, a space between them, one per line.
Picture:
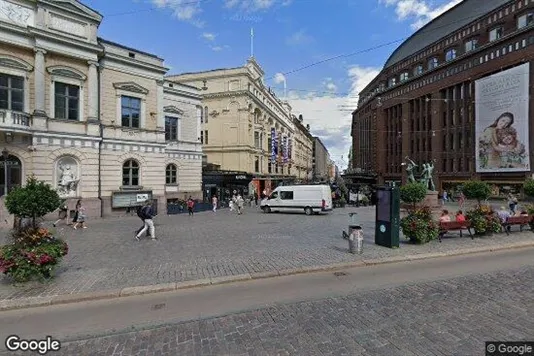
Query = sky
x=318 y=54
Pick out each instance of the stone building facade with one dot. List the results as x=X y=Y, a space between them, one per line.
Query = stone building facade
x=88 y=115
x=423 y=105
x=303 y=151
x=238 y=118
x=321 y=161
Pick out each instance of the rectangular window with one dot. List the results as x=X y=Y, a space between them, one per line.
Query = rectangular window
x=206 y=137
x=171 y=129
x=418 y=70
x=270 y=167
x=257 y=164
x=496 y=33
x=286 y=195
x=67 y=101
x=130 y=111
x=11 y=92
x=202 y=137
x=471 y=45
x=433 y=63
x=450 y=55
x=404 y=76
x=525 y=20
x=257 y=139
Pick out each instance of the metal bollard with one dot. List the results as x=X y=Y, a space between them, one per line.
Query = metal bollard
x=356 y=241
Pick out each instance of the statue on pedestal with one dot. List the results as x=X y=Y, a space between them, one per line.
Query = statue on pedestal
x=426 y=176
x=410 y=167
x=68 y=182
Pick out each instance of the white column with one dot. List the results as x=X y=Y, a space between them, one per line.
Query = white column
x=160 y=124
x=92 y=95
x=39 y=85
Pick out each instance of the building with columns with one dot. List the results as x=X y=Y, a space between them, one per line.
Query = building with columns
x=303 y=151
x=95 y=119
x=246 y=130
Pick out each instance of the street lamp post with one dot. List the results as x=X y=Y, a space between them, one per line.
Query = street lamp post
x=5 y=154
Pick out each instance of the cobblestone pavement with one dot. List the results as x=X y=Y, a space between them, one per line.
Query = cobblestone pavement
x=451 y=317
x=106 y=255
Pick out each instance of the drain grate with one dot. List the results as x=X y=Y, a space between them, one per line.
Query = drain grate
x=340 y=274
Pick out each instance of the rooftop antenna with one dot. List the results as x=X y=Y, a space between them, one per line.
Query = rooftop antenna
x=251 y=42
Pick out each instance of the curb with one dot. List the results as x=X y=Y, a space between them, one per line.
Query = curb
x=34 y=302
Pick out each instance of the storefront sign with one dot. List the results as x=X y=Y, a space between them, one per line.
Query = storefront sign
x=243 y=177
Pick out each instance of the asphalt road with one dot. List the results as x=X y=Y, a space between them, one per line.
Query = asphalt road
x=441 y=306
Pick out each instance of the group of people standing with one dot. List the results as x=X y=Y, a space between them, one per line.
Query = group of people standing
x=79 y=215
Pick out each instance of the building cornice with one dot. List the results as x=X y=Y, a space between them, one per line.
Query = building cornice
x=111 y=57
x=57 y=37
x=80 y=9
x=183 y=93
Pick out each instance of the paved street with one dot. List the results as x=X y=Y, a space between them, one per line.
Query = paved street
x=433 y=317
x=106 y=256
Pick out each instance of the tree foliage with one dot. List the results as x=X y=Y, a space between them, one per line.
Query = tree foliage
x=528 y=187
x=413 y=193
x=476 y=189
x=34 y=200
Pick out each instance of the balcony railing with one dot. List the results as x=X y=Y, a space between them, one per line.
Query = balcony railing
x=15 y=120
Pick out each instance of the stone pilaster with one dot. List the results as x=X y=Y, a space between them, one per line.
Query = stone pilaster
x=92 y=85
x=39 y=84
x=160 y=124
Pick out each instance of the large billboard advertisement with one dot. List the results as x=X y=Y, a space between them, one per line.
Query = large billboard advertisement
x=501 y=116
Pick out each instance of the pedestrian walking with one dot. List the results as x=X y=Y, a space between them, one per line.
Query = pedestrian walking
x=190 y=206
x=214 y=202
x=461 y=200
x=148 y=221
x=240 y=202
x=80 y=215
x=141 y=215
x=63 y=214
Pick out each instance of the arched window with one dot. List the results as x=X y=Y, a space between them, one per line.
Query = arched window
x=14 y=173
x=130 y=173
x=171 y=174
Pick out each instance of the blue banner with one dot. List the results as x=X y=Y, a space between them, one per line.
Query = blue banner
x=273 y=145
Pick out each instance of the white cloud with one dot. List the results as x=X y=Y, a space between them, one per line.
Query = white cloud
x=219 y=48
x=251 y=5
x=182 y=9
x=209 y=36
x=419 y=11
x=298 y=38
x=279 y=78
x=330 y=116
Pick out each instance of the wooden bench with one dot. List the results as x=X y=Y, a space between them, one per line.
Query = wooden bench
x=515 y=220
x=445 y=227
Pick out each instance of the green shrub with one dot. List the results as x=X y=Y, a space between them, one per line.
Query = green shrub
x=413 y=193
x=477 y=190
x=34 y=200
x=528 y=187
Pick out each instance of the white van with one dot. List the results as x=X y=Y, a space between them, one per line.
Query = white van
x=308 y=199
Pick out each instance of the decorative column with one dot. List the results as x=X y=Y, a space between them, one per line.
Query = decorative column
x=160 y=123
x=39 y=85
x=92 y=85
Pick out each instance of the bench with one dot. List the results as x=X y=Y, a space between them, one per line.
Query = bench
x=445 y=227
x=515 y=220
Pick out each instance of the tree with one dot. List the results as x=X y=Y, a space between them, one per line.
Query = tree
x=342 y=187
x=528 y=187
x=476 y=189
x=413 y=193
x=34 y=200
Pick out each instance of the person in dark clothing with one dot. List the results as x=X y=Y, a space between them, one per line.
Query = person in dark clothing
x=190 y=206
x=147 y=215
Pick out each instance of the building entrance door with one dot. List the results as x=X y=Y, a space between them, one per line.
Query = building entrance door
x=10 y=172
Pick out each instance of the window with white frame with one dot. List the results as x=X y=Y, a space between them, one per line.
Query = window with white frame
x=392 y=81
x=11 y=92
x=404 y=76
x=171 y=128
x=450 y=54
x=171 y=174
x=66 y=101
x=130 y=173
x=67 y=86
x=525 y=20
x=130 y=111
x=470 y=45
x=496 y=33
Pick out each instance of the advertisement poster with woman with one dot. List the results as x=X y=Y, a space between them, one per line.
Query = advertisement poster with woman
x=501 y=112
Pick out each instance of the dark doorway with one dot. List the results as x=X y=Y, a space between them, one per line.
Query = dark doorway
x=14 y=174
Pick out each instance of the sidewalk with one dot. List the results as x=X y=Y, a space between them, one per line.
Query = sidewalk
x=106 y=261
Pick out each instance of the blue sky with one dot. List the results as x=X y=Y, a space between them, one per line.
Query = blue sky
x=288 y=34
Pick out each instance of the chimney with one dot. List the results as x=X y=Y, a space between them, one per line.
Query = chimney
x=301 y=118
x=308 y=127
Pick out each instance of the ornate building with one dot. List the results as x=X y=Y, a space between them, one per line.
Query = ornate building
x=93 y=118
x=303 y=151
x=245 y=127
